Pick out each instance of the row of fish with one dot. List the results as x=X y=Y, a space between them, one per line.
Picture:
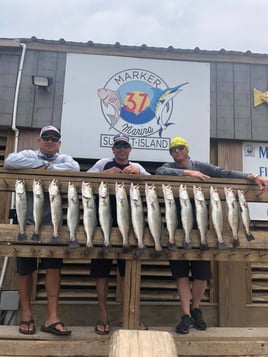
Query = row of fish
x=131 y=212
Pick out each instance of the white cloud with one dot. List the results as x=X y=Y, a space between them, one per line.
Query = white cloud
x=237 y=25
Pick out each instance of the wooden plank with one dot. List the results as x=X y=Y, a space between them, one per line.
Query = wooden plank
x=232 y=305
x=84 y=342
x=142 y=344
x=8 y=235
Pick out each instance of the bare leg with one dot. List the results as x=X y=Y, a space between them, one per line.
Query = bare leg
x=52 y=284
x=24 y=284
x=102 y=292
x=184 y=291
x=198 y=290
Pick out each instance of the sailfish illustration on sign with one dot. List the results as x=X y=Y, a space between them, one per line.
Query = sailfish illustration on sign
x=161 y=105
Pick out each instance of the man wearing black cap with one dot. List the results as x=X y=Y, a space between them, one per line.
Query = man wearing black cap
x=100 y=268
x=46 y=158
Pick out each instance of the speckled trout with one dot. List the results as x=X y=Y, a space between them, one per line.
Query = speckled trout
x=56 y=208
x=137 y=216
x=73 y=214
x=38 y=208
x=171 y=215
x=153 y=215
x=186 y=215
x=21 y=208
x=201 y=215
x=89 y=213
x=217 y=215
x=245 y=214
x=122 y=214
x=105 y=216
x=232 y=213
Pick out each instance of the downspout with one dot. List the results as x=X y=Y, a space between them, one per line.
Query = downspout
x=16 y=130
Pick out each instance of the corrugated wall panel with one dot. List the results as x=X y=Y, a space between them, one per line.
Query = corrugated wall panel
x=259 y=80
x=213 y=100
x=225 y=100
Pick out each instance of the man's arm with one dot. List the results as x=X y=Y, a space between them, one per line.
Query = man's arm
x=64 y=163
x=26 y=159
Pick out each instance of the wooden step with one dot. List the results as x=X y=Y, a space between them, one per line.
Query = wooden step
x=215 y=341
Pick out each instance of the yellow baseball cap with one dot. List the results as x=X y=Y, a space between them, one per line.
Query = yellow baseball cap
x=178 y=141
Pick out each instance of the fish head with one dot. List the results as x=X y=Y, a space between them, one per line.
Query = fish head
x=103 y=189
x=198 y=193
x=72 y=191
x=37 y=187
x=20 y=186
x=102 y=93
x=134 y=192
x=53 y=188
x=86 y=190
x=183 y=192
x=167 y=191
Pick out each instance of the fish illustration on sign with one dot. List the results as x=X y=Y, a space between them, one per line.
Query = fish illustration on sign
x=161 y=105
x=109 y=97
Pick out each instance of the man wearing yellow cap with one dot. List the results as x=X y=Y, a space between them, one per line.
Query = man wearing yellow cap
x=191 y=293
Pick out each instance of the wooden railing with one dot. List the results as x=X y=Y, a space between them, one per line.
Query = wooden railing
x=256 y=250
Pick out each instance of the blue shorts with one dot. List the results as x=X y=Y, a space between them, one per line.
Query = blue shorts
x=200 y=269
x=26 y=266
x=101 y=268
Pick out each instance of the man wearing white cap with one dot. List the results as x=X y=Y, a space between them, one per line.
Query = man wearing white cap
x=191 y=292
x=46 y=158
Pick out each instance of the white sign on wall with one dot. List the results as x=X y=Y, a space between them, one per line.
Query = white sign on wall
x=255 y=160
x=150 y=100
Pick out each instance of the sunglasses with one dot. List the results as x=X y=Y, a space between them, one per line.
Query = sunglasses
x=54 y=139
x=179 y=147
x=121 y=145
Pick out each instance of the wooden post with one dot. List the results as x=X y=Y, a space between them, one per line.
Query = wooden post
x=142 y=344
x=132 y=294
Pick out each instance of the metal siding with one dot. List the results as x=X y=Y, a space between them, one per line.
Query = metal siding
x=225 y=101
x=37 y=106
x=259 y=80
x=8 y=76
x=242 y=102
x=213 y=100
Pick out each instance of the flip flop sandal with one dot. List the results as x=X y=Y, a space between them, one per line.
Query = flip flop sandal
x=143 y=327
x=105 y=327
x=29 y=331
x=54 y=331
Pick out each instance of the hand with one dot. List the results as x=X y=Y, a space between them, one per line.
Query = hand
x=131 y=170
x=262 y=182
x=197 y=174
x=113 y=170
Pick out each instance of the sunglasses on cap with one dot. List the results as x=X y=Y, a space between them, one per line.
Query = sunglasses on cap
x=179 y=147
x=121 y=145
x=54 y=139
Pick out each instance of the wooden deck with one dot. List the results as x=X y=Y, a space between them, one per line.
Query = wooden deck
x=84 y=342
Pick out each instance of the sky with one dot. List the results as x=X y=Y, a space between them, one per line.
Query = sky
x=235 y=25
